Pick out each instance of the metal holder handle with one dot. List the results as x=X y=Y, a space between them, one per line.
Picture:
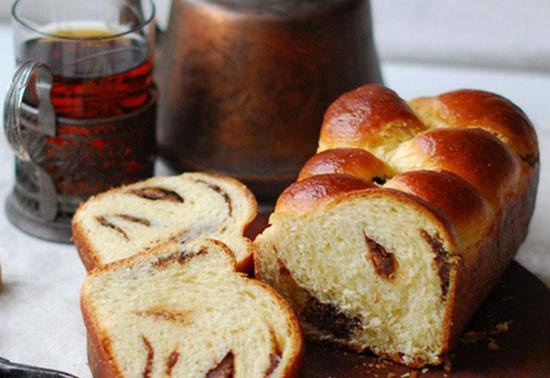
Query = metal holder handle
x=19 y=133
x=14 y=102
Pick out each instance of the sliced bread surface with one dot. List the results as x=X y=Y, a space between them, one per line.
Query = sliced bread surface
x=369 y=270
x=184 y=311
x=131 y=219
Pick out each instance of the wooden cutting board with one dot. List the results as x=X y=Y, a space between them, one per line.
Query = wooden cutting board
x=520 y=303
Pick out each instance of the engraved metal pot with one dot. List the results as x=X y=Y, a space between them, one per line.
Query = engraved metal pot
x=245 y=83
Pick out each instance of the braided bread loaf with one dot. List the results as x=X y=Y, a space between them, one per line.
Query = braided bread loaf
x=399 y=227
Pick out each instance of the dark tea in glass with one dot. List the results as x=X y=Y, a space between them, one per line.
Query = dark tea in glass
x=98 y=58
x=95 y=76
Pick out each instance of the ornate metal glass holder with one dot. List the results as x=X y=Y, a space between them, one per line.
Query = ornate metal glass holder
x=61 y=161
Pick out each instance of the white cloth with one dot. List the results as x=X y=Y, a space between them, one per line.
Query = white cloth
x=503 y=33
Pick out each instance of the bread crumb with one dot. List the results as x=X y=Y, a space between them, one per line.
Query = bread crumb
x=471 y=337
x=447 y=365
x=475 y=336
x=502 y=327
x=492 y=345
x=425 y=370
x=405 y=375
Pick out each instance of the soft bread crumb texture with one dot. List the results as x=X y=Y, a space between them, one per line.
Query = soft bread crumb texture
x=181 y=310
x=128 y=220
x=403 y=314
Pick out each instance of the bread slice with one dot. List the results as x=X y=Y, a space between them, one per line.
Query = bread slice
x=384 y=277
x=131 y=219
x=184 y=311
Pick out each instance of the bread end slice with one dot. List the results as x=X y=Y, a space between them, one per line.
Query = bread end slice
x=132 y=219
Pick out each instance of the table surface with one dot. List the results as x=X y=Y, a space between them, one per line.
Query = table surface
x=40 y=319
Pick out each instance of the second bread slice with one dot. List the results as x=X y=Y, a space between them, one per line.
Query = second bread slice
x=131 y=219
x=183 y=311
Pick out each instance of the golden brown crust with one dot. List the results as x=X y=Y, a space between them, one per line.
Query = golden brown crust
x=99 y=353
x=307 y=194
x=83 y=247
x=350 y=161
x=489 y=111
x=368 y=117
x=483 y=264
x=447 y=229
x=466 y=209
x=293 y=368
x=474 y=155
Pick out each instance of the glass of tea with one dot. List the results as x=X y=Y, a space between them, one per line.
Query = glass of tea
x=80 y=113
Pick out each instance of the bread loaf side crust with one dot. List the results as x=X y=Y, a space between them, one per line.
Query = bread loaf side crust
x=477 y=276
x=307 y=194
x=83 y=247
x=99 y=353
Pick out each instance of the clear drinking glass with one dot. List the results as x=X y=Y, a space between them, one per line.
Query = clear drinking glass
x=80 y=113
x=100 y=52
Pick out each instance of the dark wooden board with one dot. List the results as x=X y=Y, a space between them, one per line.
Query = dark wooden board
x=523 y=351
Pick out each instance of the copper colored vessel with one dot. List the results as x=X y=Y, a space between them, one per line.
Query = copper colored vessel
x=245 y=83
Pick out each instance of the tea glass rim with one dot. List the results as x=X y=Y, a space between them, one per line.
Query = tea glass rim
x=142 y=24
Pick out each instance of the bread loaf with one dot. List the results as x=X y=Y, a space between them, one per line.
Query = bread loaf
x=397 y=230
x=125 y=221
x=184 y=311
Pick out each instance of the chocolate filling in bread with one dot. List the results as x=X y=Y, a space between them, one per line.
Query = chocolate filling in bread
x=104 y=222
x=275 y=356
x=147 y=371
x=164 y=261
x=131 y=218
x=222 y=193
x=224 y=369
x=185 y=256
x=155 y=194
x=384 y=262
x=325 y=316
x=166 y=315
x=441 y=260
x=171 y=362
